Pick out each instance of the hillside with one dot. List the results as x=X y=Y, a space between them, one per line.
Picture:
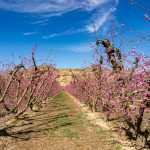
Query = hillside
x=65 y=74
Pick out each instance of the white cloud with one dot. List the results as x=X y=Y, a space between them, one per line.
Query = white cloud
x=100 y=18
x=68 y=32
x=53 y=7
x=77 y=47
x=102 y=11
x=81 y=48
x=40 y=21
x=91 y=4
x=29 y=33
x=50 y=36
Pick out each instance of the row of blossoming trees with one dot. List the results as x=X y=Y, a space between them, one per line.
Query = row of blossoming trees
x=23 y=88
x=118 y=87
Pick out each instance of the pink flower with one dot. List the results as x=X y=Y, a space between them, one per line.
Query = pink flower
x=33 y=53
x=123 y=25
x=143 y=106
x=133 y=50
x=146 y=16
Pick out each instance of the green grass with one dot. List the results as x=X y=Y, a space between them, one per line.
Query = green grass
x=103 y=132
x=62 y=120
x=63 y=106
x=62 y=133
x=118 y=147
x=71 y=123
x=69 y=133
x=62 y=96
x=62 y=127
x=65 y=125
x=78 y=121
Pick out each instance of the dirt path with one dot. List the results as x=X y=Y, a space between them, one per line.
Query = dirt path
x=60 y=125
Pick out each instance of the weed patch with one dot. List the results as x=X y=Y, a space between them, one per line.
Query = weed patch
x=117 y=147
x=62 y=120
x=63 y=106
x=103 y=132
x=69 y=133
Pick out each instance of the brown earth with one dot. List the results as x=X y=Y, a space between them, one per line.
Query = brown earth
x=59 y=125
x=65 y=75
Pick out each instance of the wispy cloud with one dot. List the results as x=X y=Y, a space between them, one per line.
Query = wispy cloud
x=102 y=10
x=68 y=32
x=81 y=48
x=74 y=47
x=29 y=33
x=51 y=6
x=100 y=18
x=40 y=21
x=51 y=36
x=77 y=48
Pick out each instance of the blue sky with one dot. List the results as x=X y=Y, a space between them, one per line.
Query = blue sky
x=63 y=28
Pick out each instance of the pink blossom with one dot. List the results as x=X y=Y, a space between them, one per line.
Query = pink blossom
x=123 y=25
x=146 y=16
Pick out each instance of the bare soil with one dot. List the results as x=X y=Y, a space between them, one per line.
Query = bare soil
x=59 y=125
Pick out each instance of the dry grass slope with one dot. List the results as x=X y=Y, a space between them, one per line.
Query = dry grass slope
x=65 y=74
